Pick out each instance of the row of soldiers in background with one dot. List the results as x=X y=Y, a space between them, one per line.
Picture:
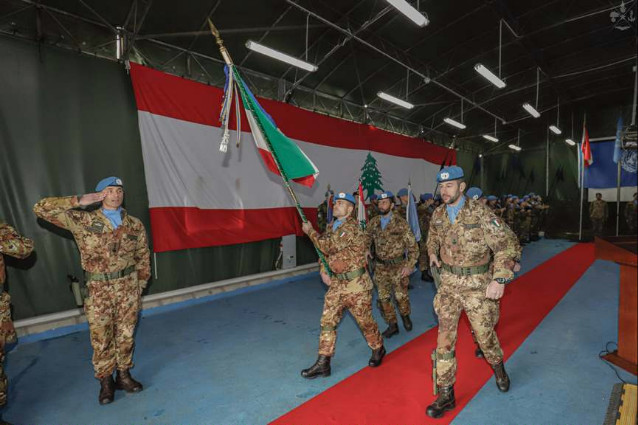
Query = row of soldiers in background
x=599 y=213
x=525 y=215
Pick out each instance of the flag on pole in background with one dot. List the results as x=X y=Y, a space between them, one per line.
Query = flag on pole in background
x=618 y=142
x=361 y=208
x=412 y=216
x=588 y=158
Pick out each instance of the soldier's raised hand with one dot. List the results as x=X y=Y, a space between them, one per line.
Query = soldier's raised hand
x=306 y=227
x=91 y=198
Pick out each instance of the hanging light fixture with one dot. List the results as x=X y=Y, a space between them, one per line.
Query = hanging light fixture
x=489 y=76
x=533 y=111
x=492 y=138
x=455 y=123
x=395 y=100
x=554 y=128
x=276 y=54
x=517 y=147
x=408 y=10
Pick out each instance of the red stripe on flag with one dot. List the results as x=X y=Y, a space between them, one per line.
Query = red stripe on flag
x=167 y=95
x=176 y=228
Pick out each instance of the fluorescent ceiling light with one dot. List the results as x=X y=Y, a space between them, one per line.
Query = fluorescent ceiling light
x=555 y=129
x=516 y=148
x=409 y=11
x=275 y=54
x=530 y=109
x=454 y=123
x=489 y=76
x=570 y=142
x=490 y=138
x=395 y=100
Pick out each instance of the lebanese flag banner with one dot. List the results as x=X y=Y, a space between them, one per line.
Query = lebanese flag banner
x=199 y=196
x=586 y=148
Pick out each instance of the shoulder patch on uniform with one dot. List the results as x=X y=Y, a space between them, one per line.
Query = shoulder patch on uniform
x=496 y=222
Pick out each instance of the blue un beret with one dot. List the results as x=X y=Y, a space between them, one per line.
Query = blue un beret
x=425 y=196
x=373 y=197
x=109 y=181
x=402 y=192
x=492 y=198
x=346 y=197
x=385 y=195
x=474 y=193
x=449 y=173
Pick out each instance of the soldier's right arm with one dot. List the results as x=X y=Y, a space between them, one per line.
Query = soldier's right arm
x=12 y=244
x=60 y=211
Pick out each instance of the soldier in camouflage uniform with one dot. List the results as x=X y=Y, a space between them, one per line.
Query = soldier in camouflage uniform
x=476 y=256
x=424 y=212
x=115 y=257
x=598 y=213
x=322 y=212
x=630 y=215
x=13 y=245
x=402 y=203
x=392 y=238
x=372 y=209
x=350 y=286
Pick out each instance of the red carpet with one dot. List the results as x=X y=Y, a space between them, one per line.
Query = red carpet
x=399 y=391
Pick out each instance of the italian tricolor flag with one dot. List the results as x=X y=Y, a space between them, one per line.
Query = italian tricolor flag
x=200 y=196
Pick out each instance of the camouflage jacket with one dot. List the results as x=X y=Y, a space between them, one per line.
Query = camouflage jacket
x=13 y=245
x=598 y=209
x=425 y=214
x=102 y=249
x=346 y=251
x=476 y=236
x=322 y=216
x=394 y=240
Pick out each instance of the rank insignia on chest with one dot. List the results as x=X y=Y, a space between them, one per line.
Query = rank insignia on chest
x=496 y=222
x=454 y=241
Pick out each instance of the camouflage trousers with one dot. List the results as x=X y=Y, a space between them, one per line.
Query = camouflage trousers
x=7 y=335
x=112 y=310
x=360 y=306
x=483 y=314
x=597 y=225
x=424 y=259
x=389 y=283
x=4 y=384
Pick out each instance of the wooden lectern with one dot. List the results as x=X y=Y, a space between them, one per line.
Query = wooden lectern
x=623 y=250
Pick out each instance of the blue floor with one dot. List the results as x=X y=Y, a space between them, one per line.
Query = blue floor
x=235 y=359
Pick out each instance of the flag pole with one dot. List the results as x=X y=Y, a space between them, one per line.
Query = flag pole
x=284 y=177
x=582 y=181
x=618 y=196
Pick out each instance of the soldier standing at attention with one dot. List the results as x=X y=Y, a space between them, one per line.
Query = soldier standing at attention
x=402 y=206
x=425 y=213
x=475 y=254
x=392 y=238
x=13 y=245
x=115 y=257
x=350 y=287
x=598 y=213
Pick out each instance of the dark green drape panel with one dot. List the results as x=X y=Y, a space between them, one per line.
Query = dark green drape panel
x=66 y=121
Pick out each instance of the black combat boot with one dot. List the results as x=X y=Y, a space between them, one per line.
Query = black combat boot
x=443 y=403
x=377 y=357
x=124 y=381
x=478 y=353
x=107 y=390
x=320 y=368
x=426 y=276
x=502 y=380
x=407 y=323
x=392 y=330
